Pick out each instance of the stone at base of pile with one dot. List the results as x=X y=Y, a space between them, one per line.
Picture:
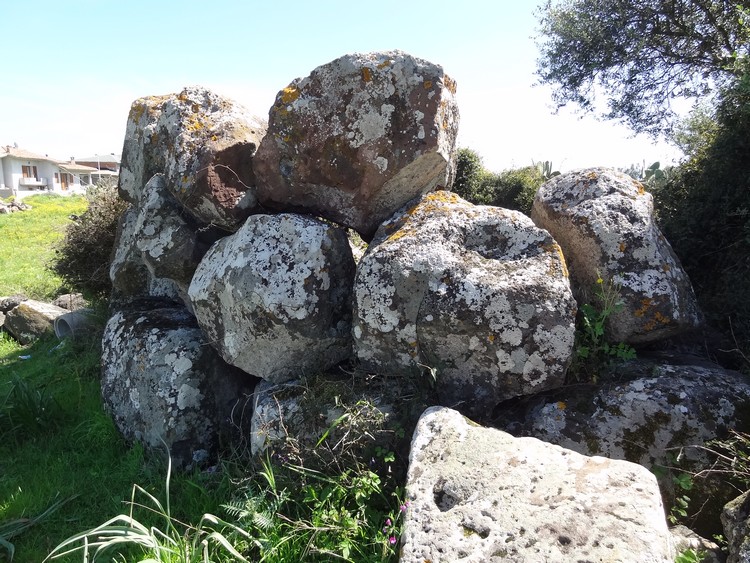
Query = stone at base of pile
x=480 y=495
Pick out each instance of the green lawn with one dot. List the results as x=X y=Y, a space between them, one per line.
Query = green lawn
x=27 y=242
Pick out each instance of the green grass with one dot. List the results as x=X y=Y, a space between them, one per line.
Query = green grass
x=27 y=242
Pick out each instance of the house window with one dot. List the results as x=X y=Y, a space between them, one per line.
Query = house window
x=65 y=180
x=28 y=171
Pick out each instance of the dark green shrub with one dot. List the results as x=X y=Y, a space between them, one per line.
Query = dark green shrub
x=470 y=174
x=511 y=189
x=704 y=211
x=83 y=258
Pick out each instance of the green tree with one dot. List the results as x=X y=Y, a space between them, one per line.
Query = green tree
x=641 y=55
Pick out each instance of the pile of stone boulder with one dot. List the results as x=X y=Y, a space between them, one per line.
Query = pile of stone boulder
x=233 y=273
x=13 y=206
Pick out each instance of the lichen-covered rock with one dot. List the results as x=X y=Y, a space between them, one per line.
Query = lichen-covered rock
x=203 y=143
x=358 y=138
x=478 y=293
x=604 y=222
x=645 y=415
x=736 y=521
x=684 y=538
x=30 y=319
x=70 y=301
x=324 y=419
x=162 y=382
x=131 y=278
x=481 y=495
x=275 y=297
x=169 y=245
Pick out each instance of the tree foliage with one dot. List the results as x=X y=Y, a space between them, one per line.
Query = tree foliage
x=704 y=211
x=641 y=55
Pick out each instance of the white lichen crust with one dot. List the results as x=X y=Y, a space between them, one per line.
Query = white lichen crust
x=604 y=222
x=478 y=293
x=274 y=298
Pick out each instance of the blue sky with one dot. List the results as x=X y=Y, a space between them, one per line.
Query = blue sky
x=73 y=67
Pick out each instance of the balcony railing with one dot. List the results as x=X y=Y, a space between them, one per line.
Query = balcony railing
x=33 y=182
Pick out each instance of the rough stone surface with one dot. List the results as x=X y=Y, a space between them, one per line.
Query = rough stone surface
x=647 y=414
x=604 y=222
x=736 y=521
x=203 y=144
x=684 y=538
x=477 y=293
x=31 y=319
x=131 y=278
x=333 y=416
x=161 y=381
x=358 y=138
x=480 y=495
x=70 y=301
x=169 y=245
x=275 y=297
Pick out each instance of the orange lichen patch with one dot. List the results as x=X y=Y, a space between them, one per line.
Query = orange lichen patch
x=641 y=189
x=491 y=338
x=384 y=64
x=658 y=319
x=366 y=74
x=592 y=176
x=427 y=84
x=289 y=94
x=666 y=268
x=623 y=246
x=646 y=303
x=450 y=84
x=554 y=247
x=561 y=405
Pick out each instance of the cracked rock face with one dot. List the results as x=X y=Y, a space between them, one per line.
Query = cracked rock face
x=481 y=495
x=604 y=222
x=161 y=381
x=203 y=144
x=275 y=297
x=658 y=409
x=478 y=293
x=358 y=138
x=131 y=278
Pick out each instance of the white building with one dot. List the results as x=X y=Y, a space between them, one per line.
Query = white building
x=25 y=173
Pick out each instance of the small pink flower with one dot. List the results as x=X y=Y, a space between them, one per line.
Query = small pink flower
x=388 y=522
x=392 y=540
x=405 y=506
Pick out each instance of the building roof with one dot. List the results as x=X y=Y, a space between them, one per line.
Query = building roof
x=76 y=168
x=22 y=154
x=102 y=158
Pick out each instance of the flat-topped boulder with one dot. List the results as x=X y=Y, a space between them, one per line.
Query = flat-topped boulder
x=478 y=494
x=358 y=138
x=203 y=143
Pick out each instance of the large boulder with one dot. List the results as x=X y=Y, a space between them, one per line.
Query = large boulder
x=328 y=420
x=169 y=245
x=275 y=297
x=131 y=278
x=164 y=385
x=203 y=143
x=645 y=414
x=477 y=293
x=31 y=319
x=481 y=495
x=604 y=222
x=358 y=138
